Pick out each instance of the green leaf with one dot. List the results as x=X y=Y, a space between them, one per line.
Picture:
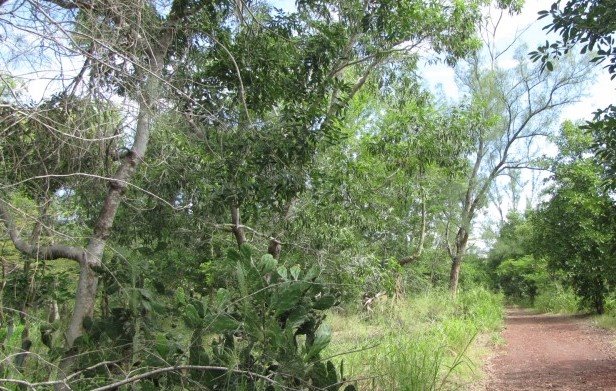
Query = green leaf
x=268 y=263
x=286 y=297
x=312 y=273
x=282 y=272
x=241 y=280
x=332 y=376
x=221 y=323
x=191 y=316
x=162 y=346
x=180 y=296
x=297 y=317
x=146 y=294
x=295 y=270
x=324 y=302
x=222 y=297
x=322 y=338
x=245 y=252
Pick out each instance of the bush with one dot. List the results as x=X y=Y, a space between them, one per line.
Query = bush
x=521 y=278
x=555 y=298
x=271 y=326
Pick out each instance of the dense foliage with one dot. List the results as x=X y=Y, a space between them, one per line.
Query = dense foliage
x=215 y=181
x=589 y=26
x=569 y=239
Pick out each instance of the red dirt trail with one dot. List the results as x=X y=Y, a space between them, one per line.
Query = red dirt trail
x=553 y=352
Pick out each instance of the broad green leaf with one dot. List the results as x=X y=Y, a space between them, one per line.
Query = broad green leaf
x=191 y=316
x=295 y=270
x=268 y=263
x=322 y=338
x=324 y=302
x=282 y=272
x=220 y=323
x=286 y=297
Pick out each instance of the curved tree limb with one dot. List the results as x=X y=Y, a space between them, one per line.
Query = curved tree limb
x=49 y=252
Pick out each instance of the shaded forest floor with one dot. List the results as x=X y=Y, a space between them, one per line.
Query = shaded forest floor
x=552 y=352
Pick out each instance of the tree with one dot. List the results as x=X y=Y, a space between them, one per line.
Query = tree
x=509 y=109
x=575 y=229
x=590 y=26
x=125 y=50
x=144 y=65
x=511 y=262
x=279 y=108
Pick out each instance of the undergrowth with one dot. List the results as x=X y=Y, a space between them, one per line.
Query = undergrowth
x=425 y=342
x=608 y=319
x=557 y=299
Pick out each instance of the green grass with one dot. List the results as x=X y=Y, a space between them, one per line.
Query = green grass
x=606 y=321
x=426 y=342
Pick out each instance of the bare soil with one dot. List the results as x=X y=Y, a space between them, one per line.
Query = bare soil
x=553 y=352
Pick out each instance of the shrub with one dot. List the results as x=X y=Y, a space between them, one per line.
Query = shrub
x=555 y=298
x=271 y=325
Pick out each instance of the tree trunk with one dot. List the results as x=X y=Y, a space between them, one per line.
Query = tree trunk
x=454 y=274
x=456 y=262
x=30 y=275
x=275 y=245
x=422 y=235
x=85 y=297
x=599 y=305
x=237 y=228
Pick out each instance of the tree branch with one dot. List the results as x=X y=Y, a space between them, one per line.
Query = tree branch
x=50 y=252
x=177 y=368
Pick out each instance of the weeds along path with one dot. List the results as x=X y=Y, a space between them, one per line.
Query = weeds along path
x=550 y=352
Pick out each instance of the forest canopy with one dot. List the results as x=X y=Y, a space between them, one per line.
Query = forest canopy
x=200 y=184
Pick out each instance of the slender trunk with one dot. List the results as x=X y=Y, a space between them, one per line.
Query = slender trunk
x=85 y=297
x=275 y=245
x=454 y=274
x=237 y=228
x=87 y=285
x=422 y=235
x=30 y=276
x=54 y=311
x=2 y=286
x=456 y=262
x=599 y=304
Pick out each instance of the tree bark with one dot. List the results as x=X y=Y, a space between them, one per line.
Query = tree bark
x=456 y=262
x=275 y=245
x=34 y=250
x=237 y=228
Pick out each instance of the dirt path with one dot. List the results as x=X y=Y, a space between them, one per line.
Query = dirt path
x=549 y=352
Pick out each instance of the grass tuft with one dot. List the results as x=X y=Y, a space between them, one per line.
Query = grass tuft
x=425 y=342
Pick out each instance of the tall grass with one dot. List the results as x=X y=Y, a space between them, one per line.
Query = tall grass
x=420 y=343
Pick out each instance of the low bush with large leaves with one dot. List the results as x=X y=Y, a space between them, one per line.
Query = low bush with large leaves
x=270 y=324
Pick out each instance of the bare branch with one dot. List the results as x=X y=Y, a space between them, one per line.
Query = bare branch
x=49 y=252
